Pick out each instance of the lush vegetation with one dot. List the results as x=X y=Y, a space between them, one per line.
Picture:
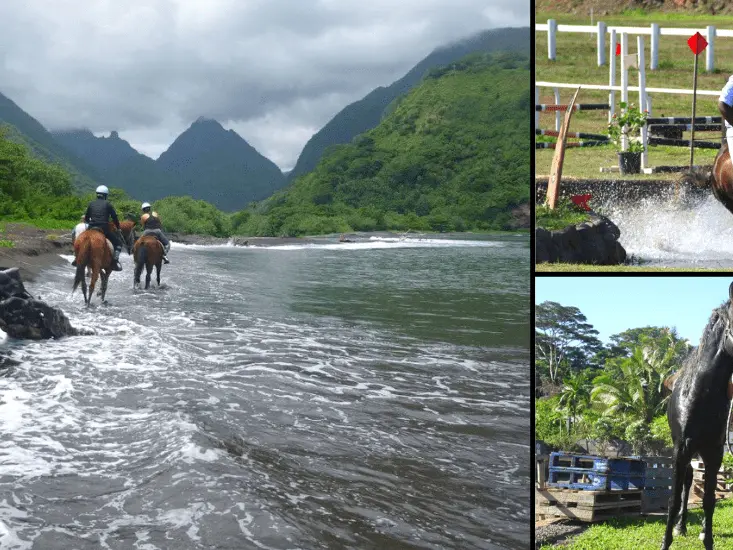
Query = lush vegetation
x=588 y=391
x=452 y=155
x=365 y=114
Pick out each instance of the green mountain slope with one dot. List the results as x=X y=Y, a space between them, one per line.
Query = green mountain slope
x=119 y=163
x=366 y=113
x=453 y=154
x=22 y=128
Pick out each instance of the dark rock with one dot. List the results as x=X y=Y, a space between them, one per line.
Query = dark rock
x=22 y=316
x=591 y=242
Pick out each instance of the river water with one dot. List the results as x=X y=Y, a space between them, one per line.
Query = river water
x=365 y=395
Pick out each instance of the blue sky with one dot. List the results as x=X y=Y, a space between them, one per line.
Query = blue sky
x=614 y=304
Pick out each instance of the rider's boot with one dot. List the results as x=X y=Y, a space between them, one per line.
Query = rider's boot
x=116 y=260
x=166 y=249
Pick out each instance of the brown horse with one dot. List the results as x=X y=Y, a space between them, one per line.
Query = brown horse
x=127 y=228
x=92 y=250
x=147 y=252
x=721 y=178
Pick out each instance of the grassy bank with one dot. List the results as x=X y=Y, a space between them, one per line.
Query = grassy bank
x=647 y=533
x=581 y=268
x=576 y=63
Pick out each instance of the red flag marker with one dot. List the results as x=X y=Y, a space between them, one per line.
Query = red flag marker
x=581 y=201
x=697 y=43
x=618 y=49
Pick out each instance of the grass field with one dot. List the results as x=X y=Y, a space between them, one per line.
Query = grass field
x=576 y=63
x=582 y=268
x=647 y=533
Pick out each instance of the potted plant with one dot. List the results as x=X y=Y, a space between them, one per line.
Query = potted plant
x=628 y=124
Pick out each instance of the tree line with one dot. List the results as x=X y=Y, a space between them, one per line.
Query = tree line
x=605 y=393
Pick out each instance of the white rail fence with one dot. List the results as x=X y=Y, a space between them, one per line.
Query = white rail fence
x=624 y=88
x=601 y=30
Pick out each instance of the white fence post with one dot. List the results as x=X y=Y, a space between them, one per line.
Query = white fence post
x=709 y=56
x=642 y=97
x=558 y=119
x=654 y=61
x=624 y=81
x=601 y=41
x=551 y=34
x=612 y=76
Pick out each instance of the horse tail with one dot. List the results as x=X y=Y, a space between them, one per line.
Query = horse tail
x=698 y=177
x=143 y=254
x=79 y=277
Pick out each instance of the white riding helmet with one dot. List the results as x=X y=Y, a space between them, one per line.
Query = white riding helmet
x=145 y=205
x=102 y=190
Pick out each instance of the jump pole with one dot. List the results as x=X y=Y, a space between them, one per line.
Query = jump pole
x=553 y=186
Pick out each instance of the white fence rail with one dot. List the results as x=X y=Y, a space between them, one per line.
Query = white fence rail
x=601 y=29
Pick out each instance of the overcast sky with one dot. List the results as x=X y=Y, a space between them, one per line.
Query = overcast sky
x=275 y=71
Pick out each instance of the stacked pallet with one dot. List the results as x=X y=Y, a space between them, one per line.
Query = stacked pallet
x=598 y=473
x=586 y=505
x=698 y=482
x=657 y=484
x=591 y=488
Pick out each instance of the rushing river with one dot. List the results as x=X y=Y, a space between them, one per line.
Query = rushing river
x=365 y=395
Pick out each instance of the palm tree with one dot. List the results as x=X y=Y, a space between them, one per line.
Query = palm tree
x=634 y=387
x=575 y=395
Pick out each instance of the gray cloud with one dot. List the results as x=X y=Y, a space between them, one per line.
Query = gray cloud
x=274 y=71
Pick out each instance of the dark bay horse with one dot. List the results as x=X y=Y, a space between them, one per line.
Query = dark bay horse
x=697 y=414
x=127 y=229
x=148 y=252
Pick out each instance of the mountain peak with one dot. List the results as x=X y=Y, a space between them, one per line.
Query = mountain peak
x=114 y=135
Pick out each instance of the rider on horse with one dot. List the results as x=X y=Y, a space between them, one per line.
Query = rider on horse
x=152 y=226
x=97 y=216
x=725 y=106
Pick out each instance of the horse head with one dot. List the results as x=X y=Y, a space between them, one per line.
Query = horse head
x=127 y=229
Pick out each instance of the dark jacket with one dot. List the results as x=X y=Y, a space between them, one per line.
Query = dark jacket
x=99 y=212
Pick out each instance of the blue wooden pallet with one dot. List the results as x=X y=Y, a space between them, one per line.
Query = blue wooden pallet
x=584 y=479
x=599 y=464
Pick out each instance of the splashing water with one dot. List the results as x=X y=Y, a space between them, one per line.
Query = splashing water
x=670 y=232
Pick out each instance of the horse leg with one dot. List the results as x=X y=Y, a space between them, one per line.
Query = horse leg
x=148 y=271
x=712 y=459
x=105 y=278
x=84 y=286
x=93 y=283
x=681 y=461
x=157 y=273
x=681 y=527
x=138 y=271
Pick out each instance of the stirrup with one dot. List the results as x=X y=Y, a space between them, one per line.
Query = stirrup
x=73 y=263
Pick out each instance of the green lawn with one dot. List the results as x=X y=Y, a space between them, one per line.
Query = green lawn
x=583 y=268
x=647 y=533
x=576 y=63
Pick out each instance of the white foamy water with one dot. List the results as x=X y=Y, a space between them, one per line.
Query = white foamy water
x=675 y=232
x=277 y=400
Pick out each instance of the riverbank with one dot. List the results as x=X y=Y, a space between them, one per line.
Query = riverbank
x=32 y=249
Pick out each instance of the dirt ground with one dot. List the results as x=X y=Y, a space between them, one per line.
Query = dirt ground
x=33 y=249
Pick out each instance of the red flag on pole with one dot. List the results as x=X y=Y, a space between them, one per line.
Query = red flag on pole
x=697 y=43
x=618 y=49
